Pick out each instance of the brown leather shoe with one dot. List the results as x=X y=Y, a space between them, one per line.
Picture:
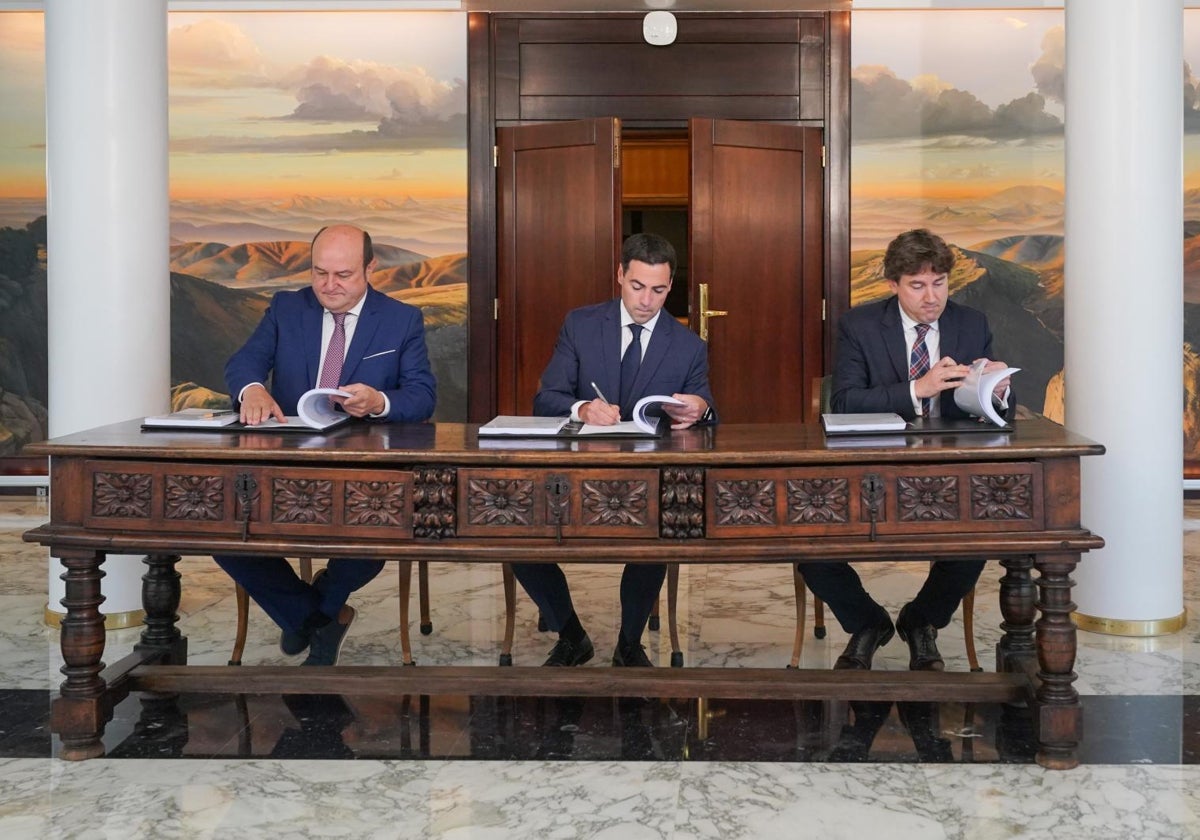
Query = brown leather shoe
x=860 y=650
x=923 y=654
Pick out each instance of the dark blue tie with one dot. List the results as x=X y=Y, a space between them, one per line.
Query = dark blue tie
x=630 y=363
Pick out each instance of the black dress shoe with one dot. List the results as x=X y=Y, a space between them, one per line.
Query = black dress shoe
x=630 y=656
x=863 y=644
x=923 y=652
x=566 y=653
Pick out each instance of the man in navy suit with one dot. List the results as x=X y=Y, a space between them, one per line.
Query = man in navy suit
x=384 y=366
x=879 y=366
x=590 y=363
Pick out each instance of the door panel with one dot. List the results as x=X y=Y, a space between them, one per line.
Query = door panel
x=757 y=232
x=559 y=231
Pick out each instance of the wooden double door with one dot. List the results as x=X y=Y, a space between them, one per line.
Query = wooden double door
x=756 y=239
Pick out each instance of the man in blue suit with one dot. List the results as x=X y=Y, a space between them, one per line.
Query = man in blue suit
x=339 y=332
x=592 y=360
x=905 y=355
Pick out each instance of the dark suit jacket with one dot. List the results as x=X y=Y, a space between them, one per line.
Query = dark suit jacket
x=387 y=352
x=589 y=350
x=870 y=371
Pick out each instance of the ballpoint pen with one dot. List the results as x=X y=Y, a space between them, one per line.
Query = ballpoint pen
x=599 y=393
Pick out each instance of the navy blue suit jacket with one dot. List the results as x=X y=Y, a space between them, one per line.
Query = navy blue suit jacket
x=589 y=350
x=387 y=352
x=870 y=371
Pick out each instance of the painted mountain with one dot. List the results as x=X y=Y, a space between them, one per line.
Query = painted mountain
x=219 y=292
x=24 y=382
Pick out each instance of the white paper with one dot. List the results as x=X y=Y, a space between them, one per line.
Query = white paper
x=877 y=422
x=522 y=426
x=974 y=394
x=641 y=424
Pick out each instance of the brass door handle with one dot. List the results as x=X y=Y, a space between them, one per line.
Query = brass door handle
x=706 y=313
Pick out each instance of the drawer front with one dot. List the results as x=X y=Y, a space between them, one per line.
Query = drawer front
x=898 y=499
x=619 y=503
x=213 y=499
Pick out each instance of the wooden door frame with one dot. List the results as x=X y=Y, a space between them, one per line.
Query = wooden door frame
x=482 y=196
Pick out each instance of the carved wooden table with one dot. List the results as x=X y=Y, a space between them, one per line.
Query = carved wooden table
x=734 y=493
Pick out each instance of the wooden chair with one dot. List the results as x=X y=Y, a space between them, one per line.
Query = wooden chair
x=306 y=574
x=821 y=391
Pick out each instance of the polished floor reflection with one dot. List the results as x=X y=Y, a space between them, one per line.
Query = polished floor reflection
x=498 y=767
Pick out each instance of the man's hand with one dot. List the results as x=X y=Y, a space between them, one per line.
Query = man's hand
x=258 y=405
x=363 y=400
x=943 y=376
x=599 y=413
x=688 y=413
x=1001 y=387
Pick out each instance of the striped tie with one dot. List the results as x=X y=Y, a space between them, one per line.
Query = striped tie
x=918 y=363
x=331 y=371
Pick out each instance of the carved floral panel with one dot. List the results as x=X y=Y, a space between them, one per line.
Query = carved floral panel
x=927 y=498
x=198 y=498
x=302 y=501
x=745 y=502
x=615 y=502
x=818 y=500
x=121 y=494
x=1002 y=496
x=374 y=502
x=500 y=501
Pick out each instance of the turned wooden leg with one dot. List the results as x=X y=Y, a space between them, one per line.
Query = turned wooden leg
x=510 y=612
x=801 y=607
x=160 y=600
x=82 y=708
x=673 y=613
x=405 y=593
x=1059 y=714
x=818 y=618
x=1018 y=608
x=654 y=623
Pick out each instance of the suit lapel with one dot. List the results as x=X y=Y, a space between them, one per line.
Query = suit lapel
x=610 y=351
x=311 y=337
x=364 y=331
x=892 y=330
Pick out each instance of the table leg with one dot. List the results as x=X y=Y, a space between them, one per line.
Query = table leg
x=160 y=600
x=1059 y=713
x=1019 y=610
x=82 y=707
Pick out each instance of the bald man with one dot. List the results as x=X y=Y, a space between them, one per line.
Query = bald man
x=385 y=368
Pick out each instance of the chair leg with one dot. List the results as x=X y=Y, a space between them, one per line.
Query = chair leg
x=801 y=606
x=242 y=599
x=510 y=612
x=818 y=618
x=968 y=607
x=423 y=594
x=673 y=613
x=406 y=657
x=306 y=573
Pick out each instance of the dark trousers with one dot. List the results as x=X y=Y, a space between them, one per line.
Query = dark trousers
x=839 y=586
x=547 y=586
x=275 y=586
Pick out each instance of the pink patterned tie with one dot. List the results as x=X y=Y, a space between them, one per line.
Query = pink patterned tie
x=918 y=364
x=331 y=371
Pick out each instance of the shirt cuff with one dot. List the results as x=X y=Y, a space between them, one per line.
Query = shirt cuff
x=387 y=408
x=912 y=395
x=250 y=385
x=575 y=411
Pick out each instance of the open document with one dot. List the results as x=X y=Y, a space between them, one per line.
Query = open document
x=974 y=393
x=643 y=423
x=316 y=410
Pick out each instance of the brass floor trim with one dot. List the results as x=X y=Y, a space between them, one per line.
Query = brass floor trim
x=112 y=621
x=1126 y=627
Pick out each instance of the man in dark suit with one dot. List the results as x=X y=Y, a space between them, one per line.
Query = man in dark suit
x=591 y=361
x=905 y=355
x=339 y=332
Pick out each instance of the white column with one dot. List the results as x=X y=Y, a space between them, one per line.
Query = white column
x=1124 y=305
x=107 y=231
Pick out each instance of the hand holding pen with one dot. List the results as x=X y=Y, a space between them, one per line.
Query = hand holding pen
x=599 y=412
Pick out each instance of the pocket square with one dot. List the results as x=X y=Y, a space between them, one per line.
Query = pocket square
x=384 y=353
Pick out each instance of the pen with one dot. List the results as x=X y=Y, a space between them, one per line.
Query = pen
x=599 y=393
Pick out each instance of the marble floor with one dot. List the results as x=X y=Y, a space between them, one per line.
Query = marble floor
x=300 y=766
